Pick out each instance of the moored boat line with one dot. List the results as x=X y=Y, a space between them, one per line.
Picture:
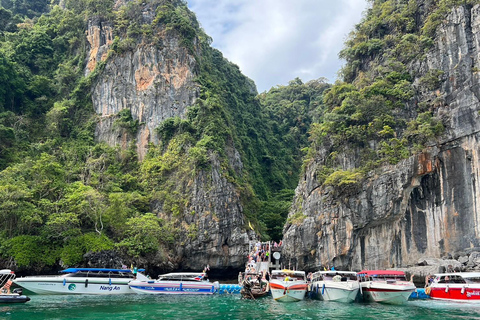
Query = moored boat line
x=285 y=285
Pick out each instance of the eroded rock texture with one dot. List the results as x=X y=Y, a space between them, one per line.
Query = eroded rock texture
x=155 y=81
x=425 y=206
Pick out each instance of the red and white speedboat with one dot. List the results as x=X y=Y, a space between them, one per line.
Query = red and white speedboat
x=288 y=285
x=340 y=286
x=460 y=286
x=386 y=286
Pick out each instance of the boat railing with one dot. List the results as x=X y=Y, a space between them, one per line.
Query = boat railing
x=4 y=277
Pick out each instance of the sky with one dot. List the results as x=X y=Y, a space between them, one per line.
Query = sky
x=275 y=41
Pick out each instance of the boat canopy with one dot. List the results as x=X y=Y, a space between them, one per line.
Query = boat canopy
x=6 y=271
x=373 y=273
x=75 y=270
x=182 y=276
x=461 y=274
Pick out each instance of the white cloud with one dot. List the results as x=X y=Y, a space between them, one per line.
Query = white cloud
x=274 y=41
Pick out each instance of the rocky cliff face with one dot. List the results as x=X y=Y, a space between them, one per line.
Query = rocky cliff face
x=156 y=81
x=425 y=206
x=220 y=240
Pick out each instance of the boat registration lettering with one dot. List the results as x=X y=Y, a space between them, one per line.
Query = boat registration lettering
x=172 y=289
x=109 y=288
x=473 y=293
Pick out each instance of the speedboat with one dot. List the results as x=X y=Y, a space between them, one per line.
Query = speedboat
x=341 y=286
x=459 y=286
x=386 y=286
x=176 y=283
x=288 y=285
x=7 y=296
x=82 y=281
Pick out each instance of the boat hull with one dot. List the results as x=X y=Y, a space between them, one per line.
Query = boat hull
x=387 y=293
x=174 y=287
x=288 y=292
x=60 y=285
x=345 y=292
x=13 y=298
x=455 y=292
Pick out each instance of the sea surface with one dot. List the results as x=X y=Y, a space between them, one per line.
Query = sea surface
x=227 y=306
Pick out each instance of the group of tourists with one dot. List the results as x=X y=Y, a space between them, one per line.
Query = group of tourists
x=261 y=252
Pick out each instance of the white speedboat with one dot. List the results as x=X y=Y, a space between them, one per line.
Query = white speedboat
x=340 y=286
x=288 y=285
x=176 y=283
x=82 y=281
x=458 y=286
x=386 y=286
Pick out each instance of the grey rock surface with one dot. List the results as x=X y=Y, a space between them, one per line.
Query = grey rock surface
x=424 y=206
x=155 y=82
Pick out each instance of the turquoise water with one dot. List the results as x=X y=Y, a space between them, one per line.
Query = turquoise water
x=224 y=307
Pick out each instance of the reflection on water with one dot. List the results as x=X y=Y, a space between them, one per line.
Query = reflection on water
x=224 y=307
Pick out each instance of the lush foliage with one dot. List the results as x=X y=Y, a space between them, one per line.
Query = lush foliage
x=371 y=117
x=65 y=195
x=62 y=195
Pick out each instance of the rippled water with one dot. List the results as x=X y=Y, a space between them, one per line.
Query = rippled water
x=224 y=307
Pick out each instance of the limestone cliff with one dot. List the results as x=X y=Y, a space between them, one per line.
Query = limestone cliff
x=424 y=206
x=155 y=79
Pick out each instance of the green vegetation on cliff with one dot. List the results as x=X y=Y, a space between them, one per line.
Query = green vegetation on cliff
x=62 y=194
x=373 y=116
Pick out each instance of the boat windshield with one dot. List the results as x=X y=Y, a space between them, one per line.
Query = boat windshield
x=388 y=278
x=344 y=276
x=94 y=274
x=288 y=276
x=181 y=277
x=453 y=279
x=472 y=280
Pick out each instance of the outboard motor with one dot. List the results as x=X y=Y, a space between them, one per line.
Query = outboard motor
x=18 y=291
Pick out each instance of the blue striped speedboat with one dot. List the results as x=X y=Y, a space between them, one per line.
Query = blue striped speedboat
x=176 y=283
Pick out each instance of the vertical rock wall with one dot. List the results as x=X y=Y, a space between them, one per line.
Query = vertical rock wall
x=425 y=206
x=156 y=81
